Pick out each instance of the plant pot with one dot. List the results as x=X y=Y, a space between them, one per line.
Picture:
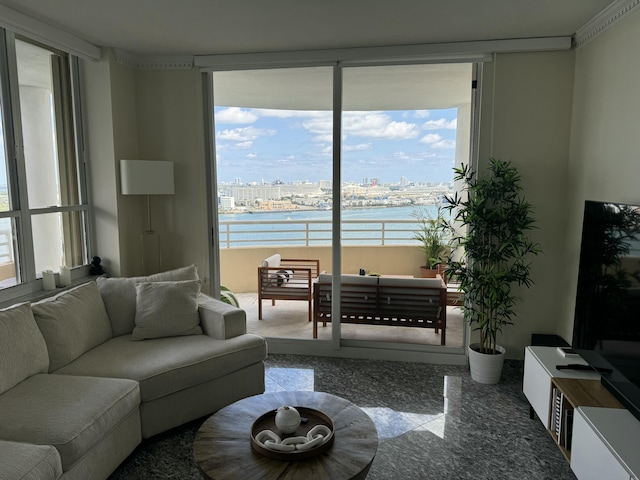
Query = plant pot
x=485 y=368
x=428 y=272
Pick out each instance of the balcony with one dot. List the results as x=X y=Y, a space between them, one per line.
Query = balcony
x=381 y=246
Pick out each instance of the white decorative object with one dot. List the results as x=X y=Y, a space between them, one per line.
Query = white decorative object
x=65 y=276
x=48 y=280
x=287 y=419
x=318 y=435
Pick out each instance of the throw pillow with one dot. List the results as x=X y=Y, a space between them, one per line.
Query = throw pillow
x=166 y=309
x=23 y=352
x=119 y=295
x=72 y=323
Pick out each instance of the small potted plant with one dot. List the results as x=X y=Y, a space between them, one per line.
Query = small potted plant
x=434 y=240
x=490 y=223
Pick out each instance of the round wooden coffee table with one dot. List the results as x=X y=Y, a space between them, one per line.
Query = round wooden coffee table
x=222 y=447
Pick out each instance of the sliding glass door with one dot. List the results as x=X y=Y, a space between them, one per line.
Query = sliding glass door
x=274 y=156
x=301 y=151
x=404 y=128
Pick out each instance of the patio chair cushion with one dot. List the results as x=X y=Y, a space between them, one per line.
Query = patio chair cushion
x=166 y=309
x=273 y=261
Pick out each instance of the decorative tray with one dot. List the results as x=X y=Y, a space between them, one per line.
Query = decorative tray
x=313 y=418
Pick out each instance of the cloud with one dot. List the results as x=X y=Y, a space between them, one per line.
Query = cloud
x=251 y=155
x=431 y=138
x=320 y=126
x=235 y=115
x=444 y=145
x=356 y=148
x=244 y=134
x=441 y=123
x=422 y=113
x=377 y=125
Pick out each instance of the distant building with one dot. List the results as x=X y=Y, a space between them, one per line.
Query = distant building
x=226 y=203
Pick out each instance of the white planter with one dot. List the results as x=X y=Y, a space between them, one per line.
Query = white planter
x=486 y=368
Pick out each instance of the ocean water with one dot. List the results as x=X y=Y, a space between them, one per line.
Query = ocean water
x=371 y=226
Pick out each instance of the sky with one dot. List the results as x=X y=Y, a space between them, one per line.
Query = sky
x=258 y=145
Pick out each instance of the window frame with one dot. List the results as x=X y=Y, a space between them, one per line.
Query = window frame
x=28 y=280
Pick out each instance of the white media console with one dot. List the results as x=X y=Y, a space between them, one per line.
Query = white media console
x=595 y=433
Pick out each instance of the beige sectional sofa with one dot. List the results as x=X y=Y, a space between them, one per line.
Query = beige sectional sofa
x=88 y=373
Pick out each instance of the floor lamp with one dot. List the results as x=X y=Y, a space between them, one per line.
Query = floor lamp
x=148 y=177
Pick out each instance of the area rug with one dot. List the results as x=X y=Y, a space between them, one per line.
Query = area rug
x=165 y=456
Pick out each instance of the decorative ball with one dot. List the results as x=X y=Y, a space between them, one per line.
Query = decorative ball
x=287 y=419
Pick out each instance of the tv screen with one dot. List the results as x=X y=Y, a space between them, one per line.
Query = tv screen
x=607 y=314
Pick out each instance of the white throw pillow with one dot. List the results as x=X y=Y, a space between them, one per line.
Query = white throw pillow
x=166 y=309
x=72 y=323
x=22 y=349
x=119 y=295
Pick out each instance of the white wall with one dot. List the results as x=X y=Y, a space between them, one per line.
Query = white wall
x=99 y=133
x=170 y=126
x=525 y=118
x=605 y=140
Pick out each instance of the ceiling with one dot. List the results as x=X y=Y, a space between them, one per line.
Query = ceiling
x=198 y=27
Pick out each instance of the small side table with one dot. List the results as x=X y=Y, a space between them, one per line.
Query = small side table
x=222 y=447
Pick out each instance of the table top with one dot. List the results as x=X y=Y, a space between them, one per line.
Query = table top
x=222 y=447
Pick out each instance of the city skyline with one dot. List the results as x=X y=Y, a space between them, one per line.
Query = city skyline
x=262 y=145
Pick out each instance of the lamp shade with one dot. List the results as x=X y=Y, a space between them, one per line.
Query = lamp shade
x=146 y=177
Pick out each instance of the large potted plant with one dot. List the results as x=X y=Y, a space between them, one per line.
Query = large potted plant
x=490 y=223
x=433 y=238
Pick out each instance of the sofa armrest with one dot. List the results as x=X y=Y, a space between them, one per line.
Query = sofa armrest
x=220 y=320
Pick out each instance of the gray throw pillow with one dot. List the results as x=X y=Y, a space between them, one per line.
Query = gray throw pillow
x=166 y=309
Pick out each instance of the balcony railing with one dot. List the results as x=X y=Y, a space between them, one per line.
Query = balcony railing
x=315 y=232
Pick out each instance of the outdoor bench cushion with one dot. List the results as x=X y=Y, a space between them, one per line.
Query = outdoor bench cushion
x=71 y=413
x=25 y=461
x=164 y=366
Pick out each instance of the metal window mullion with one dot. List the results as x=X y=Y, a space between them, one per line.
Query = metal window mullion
x=17 y=170
x=336 y=213
x=213 y=227
x=59 y=209
x=80 y=154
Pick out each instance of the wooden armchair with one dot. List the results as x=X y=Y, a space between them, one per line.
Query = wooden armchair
x=287 y=279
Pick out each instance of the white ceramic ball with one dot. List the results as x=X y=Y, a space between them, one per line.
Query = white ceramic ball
x=287 y=419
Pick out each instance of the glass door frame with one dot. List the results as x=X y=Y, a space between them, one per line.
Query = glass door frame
x=336 y=346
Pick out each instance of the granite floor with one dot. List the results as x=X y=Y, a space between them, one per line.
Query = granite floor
x=433 y=421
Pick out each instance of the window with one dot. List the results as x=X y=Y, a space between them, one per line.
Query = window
x=43 y=207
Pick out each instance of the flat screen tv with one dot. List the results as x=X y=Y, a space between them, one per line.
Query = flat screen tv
x=606 y=329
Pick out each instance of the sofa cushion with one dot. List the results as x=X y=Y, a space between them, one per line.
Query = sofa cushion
x=72 y=322
x=412 y=282
x=72 y=413
x=163 y=366
x=273 y=261
x=25 y=461
x=166 y=309
x=23 y=351
x=119 y=295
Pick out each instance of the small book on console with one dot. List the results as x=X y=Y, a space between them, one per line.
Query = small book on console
x=568 y=352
